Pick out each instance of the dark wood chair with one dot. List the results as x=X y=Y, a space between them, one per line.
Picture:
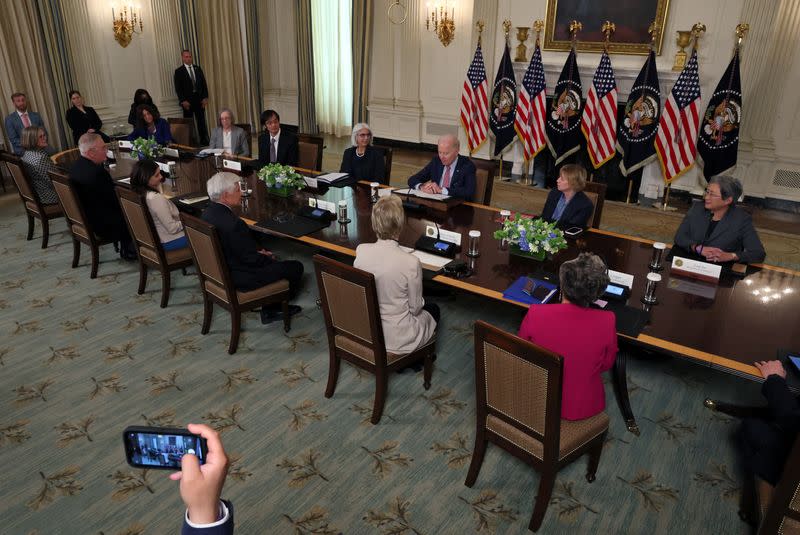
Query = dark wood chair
x=485 y=171
x=353 y=323
x=148 y=245
x=518 y=386
x=310 y=151
x=596 y=192
x=780 y=506
x=77 y=222
x=249 y=131
x=182 y=130
x=217 y=286
x=387 y=163
x=34 y=208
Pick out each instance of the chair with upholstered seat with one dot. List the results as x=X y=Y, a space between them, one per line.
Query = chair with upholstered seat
x=519 y=409
x=485 y=171
x=34 y=208
x=77 y=222
x=387 y=163
x=780 y=505
x=182 y=130
x=353 y=323
x=309 y=148
x=148 y=245
x=217 y=285
x=596 y=191
x=248 y=130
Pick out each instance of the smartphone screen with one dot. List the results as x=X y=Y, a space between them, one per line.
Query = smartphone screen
x=161 y=448
x=317 y=212
x=795 y=361
x=614 y=290
x=441 y=246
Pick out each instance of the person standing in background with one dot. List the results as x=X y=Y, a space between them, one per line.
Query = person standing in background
x=192 y=91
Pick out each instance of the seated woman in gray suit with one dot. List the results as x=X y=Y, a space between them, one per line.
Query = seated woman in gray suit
x=717 y=229
x=408 y=322
x=229 y=137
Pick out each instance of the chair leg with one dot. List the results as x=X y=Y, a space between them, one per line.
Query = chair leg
x=208 y=308
x=95 y=261
x=76 y=252
x=236 y=327
x=30 y=227
x=546 y=483
x=428 y=370
x=45 y=232
x=381 y=385
x=165 y=284
x=333 y=374
x=142 y=277
x=594 y=457
x=287 y=319
x=477 y=457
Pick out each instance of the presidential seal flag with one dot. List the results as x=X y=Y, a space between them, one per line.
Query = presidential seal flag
x=676 y=141
x=599 y=120
x=475 y=102
x=637 y=131
x=562 y=128
x=718 y=141
x=532 y=107
x=504 y=104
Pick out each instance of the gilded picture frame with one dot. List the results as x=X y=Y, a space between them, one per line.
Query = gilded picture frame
x=631 y=17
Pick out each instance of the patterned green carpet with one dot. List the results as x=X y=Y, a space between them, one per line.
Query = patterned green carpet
x=82 y=359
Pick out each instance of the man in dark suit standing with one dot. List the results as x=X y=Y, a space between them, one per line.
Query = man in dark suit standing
x=251 y=266
x=276 y=145
x=18 y=120
x=190 y=85
x=448 y=173
x=95 y=189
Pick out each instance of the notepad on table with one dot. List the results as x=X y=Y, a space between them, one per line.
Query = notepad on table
x=193 y=200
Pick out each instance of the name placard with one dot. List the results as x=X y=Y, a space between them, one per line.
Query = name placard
x=385 y=192
x=123 y=144
x=233 y=166
x=620 y=278
x=171 y=152
x=325 y=205
x=443 y=235
x=695 y=269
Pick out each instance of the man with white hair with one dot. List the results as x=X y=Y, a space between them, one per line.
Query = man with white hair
x=95 y=189
x=251 y=265
x=448 y=173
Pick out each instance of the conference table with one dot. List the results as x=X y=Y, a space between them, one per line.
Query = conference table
x=726 y=325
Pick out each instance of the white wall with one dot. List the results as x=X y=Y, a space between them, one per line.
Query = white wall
x=279 y=57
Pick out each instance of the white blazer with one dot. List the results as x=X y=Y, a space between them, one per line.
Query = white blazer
x=398 y=278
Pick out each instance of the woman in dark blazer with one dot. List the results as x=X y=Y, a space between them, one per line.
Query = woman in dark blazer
x=82 y=119
x=586 y=356
x=568 y=204
x=140 y=97
x=150 y=124
x=363 y=161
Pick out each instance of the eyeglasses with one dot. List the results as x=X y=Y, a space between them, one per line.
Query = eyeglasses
x=709 y=193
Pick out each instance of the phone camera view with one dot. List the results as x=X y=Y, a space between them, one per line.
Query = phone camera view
x=164 y=451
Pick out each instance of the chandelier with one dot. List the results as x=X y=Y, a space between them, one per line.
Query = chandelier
x=444 y=25
x=125 y=25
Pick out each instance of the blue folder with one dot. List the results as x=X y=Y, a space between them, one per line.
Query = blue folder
x=515 y=293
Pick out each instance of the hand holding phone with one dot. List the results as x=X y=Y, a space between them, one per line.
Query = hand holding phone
x=771 y=367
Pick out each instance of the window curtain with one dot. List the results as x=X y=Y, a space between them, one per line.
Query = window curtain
x=255 y=87
x=306 y=114
x=188 y=28
x=362 y=50
x=333 y=65
x=61 y=65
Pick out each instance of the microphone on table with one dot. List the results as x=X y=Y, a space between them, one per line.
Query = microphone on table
x=410 y=205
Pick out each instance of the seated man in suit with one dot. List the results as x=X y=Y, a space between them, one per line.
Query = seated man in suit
x=275 y=145
x=448 y=173
x=567 y=204
x=201 y=487
x=20 y=119
x=251 y=266
x=717 y=230
x=95 y=189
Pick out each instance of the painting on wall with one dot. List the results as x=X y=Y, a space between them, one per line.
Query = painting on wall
x=631 y=17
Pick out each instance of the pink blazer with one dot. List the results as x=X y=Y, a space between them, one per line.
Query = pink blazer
x=587 y=339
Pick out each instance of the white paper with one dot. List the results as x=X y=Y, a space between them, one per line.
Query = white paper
x=211 y=151
x=193 y=200
x=109 y=155
x=163 y=166
x=311 y=182
x=330 y=177
x=385 y=192
x=126 y=180
x=432 y=260
x=422 y=194
x=406 y=249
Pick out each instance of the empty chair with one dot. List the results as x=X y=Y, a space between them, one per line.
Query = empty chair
x=310 y=151
x=596 y=191
x=387 y=159
x=353 y=323
x=518 y=404
x=182 y=130
x=485 y=170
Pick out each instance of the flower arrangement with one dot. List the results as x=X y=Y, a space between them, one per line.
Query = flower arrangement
x=281 y=177
x=147 y=148
x=533 y=237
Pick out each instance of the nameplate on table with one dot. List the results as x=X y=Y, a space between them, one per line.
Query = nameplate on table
x=696 y=269
x=384 y=192
x=125 y=144
x=311 y=182
x=443 y=235
x=110 y=155
x=194 y=200
x=171 y=152
x=621 y=279
x=233 y=166
x=163 y=166
x=325 y=205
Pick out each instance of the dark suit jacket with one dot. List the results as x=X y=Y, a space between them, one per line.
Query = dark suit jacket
x=14 y=129
x=95 y=189
x=287 y=152
x=462 y=183
x=734 y=233
x=224 y=529
x=575 y=214
x=246 y=264
x=370 y=167
x=183 y=84
x=81 y=122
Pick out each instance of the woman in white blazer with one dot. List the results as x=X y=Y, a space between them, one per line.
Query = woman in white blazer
x=408 y=322
x=146 y=180
x=229 y=137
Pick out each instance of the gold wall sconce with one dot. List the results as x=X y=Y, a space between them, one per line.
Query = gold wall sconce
x=444 y=25
x=125 y=26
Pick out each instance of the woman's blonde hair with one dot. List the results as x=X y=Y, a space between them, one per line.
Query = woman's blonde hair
x=576 y=176
x=30 y=137
x=388 y=217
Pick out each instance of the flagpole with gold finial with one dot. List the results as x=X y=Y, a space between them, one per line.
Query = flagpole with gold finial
x=506 y=29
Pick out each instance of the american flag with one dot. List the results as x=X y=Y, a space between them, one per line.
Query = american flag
x=475 y=102
x=676 y=143
x=531 y=108
x=599 y=120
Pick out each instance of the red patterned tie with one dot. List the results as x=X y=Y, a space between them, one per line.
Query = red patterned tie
x=26 y=122
x=446 y=178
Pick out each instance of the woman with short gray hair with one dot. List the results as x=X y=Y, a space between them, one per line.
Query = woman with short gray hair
x=717 y=230
x=408 y=321
x=362 y=161
x=229 y=137
x=585 y=337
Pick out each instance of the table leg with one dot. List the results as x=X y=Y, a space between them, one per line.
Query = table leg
x=620 y=381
